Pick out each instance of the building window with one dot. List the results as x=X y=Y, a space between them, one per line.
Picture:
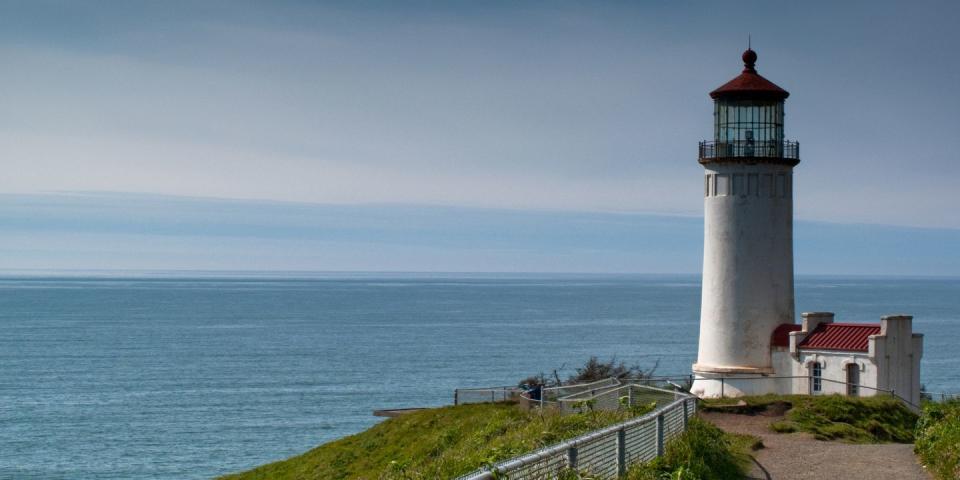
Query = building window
x=738 y=185
x=781 y=186
x=816 y=377
x=853 y=380
x=706 y=185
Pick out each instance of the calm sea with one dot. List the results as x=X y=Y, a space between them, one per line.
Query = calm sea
x=177 y=378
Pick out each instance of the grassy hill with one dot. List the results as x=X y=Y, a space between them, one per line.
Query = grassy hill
x=437 y=443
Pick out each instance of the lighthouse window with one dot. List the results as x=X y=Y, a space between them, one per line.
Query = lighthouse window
x=781 y=186
x=706 y=185
x=753 y=184
x=766 y=189
x=738 y=185
x=723 y=185
x=749 y=127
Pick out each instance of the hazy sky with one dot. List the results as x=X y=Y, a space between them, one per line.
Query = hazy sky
x=506 y=107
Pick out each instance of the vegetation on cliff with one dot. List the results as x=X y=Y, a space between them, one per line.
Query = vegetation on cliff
x=938 y=439
x=703 y=452
x=437 y=443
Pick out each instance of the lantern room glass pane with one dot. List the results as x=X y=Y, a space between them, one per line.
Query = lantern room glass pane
x=749 y=127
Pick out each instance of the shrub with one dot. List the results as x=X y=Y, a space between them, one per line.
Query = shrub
x=938 y=439
x=703 y=452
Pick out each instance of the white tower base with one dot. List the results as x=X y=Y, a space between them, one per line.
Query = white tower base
x=718 y=385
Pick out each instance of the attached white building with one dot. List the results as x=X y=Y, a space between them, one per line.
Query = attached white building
x=749 y=340
x=858 y=359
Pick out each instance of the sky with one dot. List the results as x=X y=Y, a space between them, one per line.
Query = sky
x=460 y=136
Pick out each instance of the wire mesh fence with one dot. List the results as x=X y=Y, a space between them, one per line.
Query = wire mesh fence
x=463 y=396
x=604 y=453
x=551 y=394
x=615 y=397
x=941 y=397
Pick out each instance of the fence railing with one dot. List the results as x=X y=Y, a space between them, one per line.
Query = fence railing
x=940 y=396
x=860 y=388
x=485 y=394
x=604 y=453
x=550 y=395
x=618 y=396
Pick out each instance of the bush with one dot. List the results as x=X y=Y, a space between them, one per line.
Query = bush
x=703 y=452
x=938 y=439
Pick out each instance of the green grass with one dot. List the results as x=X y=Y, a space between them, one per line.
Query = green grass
x=703 y=452
x=836 y=417
x=938 y=439
x=437 y=443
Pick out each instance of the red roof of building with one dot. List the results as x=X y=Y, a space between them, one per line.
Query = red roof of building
x=750 y=84
x=840 y=336
x=781 y=336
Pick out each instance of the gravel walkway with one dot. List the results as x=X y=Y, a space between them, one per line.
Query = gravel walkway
x=798 y=456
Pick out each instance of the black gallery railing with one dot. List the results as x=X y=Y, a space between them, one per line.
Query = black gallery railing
x=749 y=148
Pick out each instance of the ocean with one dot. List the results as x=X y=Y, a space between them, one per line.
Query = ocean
x=166 y=377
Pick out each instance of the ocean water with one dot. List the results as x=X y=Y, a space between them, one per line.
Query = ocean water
x=177 y=378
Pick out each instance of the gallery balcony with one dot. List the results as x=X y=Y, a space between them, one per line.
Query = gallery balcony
x=751 y=151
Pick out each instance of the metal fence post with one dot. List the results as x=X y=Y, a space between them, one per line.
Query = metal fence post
x=721 y=387
x=621 y=452
x=456 y=396
x=572 y=458
x=686 y=413
x=660 y=435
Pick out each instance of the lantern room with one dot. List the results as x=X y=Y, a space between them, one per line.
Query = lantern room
x=748 y=119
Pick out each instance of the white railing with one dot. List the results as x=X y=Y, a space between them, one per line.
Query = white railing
x=604 y=453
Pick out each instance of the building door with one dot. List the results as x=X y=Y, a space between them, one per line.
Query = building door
x=816 y=378
x=853 y=380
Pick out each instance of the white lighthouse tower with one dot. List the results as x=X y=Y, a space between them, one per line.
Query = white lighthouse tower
x=748 y=236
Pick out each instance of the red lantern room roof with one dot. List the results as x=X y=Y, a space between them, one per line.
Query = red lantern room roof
x=749 y=84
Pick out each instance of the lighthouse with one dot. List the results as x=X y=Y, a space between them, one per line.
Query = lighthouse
x=748 y=235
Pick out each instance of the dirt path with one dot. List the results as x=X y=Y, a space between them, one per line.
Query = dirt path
x=798 y=456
